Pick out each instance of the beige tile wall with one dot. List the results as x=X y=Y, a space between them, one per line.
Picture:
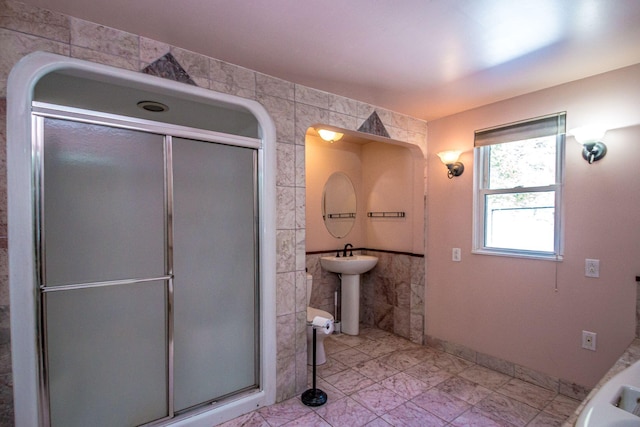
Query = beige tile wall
x=25 y=29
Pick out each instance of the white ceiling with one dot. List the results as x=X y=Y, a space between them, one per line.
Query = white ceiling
x=425 y=58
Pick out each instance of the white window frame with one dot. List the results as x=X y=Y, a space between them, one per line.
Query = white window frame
x=514 y=132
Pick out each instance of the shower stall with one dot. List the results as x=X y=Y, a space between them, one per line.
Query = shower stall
x=141 y=249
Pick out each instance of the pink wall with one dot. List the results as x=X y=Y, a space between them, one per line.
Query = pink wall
x=509 y=307
x=392 y=178
x=322 y=159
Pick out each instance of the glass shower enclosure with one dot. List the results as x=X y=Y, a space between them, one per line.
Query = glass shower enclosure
x=148 y=260
x=148 y=272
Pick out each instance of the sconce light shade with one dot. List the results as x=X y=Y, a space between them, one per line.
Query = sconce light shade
x=450 y=159
x=329 y=135
x=593 y=149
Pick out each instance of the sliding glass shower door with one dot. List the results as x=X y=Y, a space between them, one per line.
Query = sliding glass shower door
x=147 y=268
x=215 y=270
x=102 y=229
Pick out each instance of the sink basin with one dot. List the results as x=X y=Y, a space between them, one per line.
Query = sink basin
x=350 y=268
x=356 y=264
x=616 y=403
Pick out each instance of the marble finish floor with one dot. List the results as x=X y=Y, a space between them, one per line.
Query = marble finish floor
x=378 y=379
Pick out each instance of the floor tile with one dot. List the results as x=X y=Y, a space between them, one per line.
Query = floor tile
x=374 y=333
x=349 y=340
x=451 y=364
x=528 y=393
x=346 y=412
x=464 y=389
x=375 y=369
x=309 y=420
x=544 y=419
x=332 y=346
x=332 y=392
x=375 y=348
x=349 y=381
x=396 y=342
x=378 y=399
x=400 y=360
x=378 y=422
x=405 y=385
x=478 y=418
x=442 y=404
x=411 y=415
x=252 y=419
x=329 y=368
x=284 y=412
x=562 y=406
x=485 y=377
x=517 y=413
x=351 y=357
x=429 y=375
x=423 y=354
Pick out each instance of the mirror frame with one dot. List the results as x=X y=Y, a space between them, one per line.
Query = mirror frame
x=340 y=195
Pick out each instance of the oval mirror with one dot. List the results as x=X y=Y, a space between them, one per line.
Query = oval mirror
x=339 y=205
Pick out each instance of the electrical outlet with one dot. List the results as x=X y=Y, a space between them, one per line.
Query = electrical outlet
x=589 y=340
x=456 y=255
x=592 y=267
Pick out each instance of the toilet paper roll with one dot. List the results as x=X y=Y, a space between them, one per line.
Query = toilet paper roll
x=322 y=324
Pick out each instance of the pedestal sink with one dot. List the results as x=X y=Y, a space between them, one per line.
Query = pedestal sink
x=350 y=268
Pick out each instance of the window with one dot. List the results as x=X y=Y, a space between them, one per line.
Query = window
x=518 y=188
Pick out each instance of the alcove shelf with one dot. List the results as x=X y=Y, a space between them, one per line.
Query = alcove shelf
x=342 y=215
x=386 y=214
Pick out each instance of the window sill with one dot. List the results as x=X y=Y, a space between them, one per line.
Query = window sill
x=545 y=256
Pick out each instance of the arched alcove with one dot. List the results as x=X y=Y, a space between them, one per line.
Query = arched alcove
x=388 y=177
x=45 y=87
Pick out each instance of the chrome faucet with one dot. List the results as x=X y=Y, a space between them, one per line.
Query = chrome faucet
x=344 y=251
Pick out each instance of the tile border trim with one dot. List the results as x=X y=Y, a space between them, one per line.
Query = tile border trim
x=560 y=386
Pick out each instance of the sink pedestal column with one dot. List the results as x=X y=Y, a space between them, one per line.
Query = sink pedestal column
x=350 y=301
x=349 y=268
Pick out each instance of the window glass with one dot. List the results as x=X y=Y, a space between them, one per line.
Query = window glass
x=529 y=163
x=518 y=188
x=523 y=221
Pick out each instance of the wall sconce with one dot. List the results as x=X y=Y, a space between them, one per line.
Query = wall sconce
x=329 y=135
x=593 y=149
x=450 y=158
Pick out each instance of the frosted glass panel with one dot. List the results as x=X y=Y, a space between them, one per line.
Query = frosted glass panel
x=103 y=203
x=214 y=266
x=107 y=355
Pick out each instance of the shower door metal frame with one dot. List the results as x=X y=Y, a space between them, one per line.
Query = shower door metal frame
x=23 y=78
x=41 y=111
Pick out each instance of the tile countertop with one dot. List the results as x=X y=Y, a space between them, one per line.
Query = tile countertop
x=628 y=358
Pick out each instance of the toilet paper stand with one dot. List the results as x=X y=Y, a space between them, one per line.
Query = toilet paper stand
x=314 y=396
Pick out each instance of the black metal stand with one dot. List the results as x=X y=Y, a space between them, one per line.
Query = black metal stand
x=314 y=396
